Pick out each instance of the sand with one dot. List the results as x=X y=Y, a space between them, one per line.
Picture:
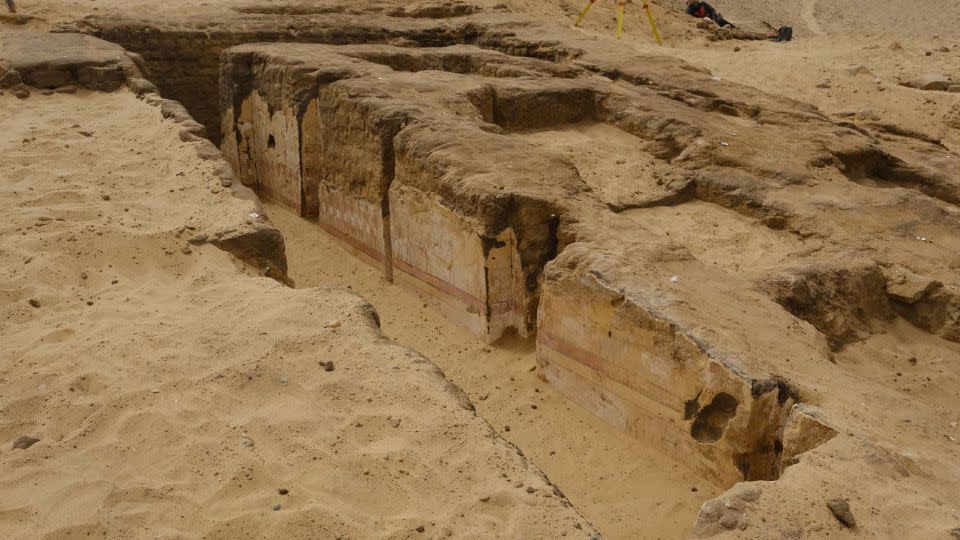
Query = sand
x=627 y=489
x=894 y=41
x=173 y=394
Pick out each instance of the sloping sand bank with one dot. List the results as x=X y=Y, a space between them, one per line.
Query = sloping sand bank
x=173 y=395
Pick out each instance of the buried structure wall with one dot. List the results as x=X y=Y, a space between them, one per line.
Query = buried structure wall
x=185 y=59
x=469 y=217
x=737 y=362
x=435 y=177
x=373 y=171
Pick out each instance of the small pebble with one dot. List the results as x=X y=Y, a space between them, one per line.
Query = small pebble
x=24 y=442
x=276 y=507
x=841 y=510
x=283 y=491
x=34 y=302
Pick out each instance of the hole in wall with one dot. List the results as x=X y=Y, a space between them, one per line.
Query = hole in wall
x=709 y=423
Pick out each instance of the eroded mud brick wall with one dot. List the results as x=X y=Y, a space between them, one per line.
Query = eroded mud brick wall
x=418 y=174
x=614 y=343
x=435 y=177
x=184 y=61
x=327 y=143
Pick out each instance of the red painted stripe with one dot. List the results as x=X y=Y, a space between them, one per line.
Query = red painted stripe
x=352 y=242
x=599 y=365
x=446 y=288
x=429 y=279
x=572 y=351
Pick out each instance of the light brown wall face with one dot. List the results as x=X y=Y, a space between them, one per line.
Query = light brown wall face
x=401 y=190
x=468 y=199
x=479 y=261
x=269 y=143
x=629 y=365
x=355 y=145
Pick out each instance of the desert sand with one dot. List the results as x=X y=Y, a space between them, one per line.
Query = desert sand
x=166 y=387
x=173 y=395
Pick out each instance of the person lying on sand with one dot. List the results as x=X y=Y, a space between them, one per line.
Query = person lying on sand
x=11 y=6
x=703 y=10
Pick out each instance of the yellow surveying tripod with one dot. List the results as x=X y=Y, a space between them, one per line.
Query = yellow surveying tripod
x=620 y=7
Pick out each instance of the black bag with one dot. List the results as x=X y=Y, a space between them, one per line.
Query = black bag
x=785 y=33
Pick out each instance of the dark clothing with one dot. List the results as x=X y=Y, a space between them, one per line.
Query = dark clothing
x=703 y=10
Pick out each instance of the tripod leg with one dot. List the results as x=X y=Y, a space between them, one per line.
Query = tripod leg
x=620 y=5
x=653 y=24
x=583 y=13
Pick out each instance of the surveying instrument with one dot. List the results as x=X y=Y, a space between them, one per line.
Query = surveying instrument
x=621 y=4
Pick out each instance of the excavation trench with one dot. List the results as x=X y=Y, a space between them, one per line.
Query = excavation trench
x=438 y=184
x=443 y=184
x=627 y=487
x=185 y=61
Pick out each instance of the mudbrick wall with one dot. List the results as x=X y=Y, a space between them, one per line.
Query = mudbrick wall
x=695 y=296
x=185 y=59
x=437 y=179
x=471 y=221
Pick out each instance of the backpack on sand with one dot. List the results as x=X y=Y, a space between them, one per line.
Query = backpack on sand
x=785 y=33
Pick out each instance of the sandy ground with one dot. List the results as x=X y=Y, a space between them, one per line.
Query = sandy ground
x=832 y=40
x=620 y=484
x=171 y=395
x=127 y=368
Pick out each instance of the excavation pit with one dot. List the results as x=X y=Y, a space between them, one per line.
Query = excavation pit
x=367 y=150
x=401 y=168
x=460 y=172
